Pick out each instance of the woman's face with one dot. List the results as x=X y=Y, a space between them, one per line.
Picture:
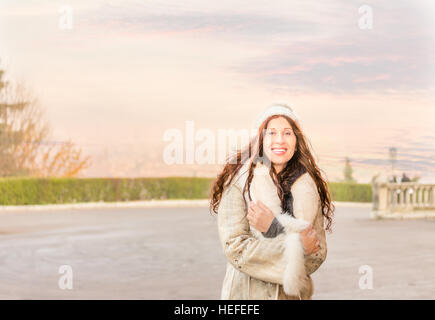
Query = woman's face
x=279 y=142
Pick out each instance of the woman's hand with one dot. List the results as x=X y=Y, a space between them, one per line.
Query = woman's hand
x=259 y=216
x=309 y=240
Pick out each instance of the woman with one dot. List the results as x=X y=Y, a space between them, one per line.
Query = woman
x=256 y=264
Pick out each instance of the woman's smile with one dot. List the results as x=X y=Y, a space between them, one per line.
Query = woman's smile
x=279 y=151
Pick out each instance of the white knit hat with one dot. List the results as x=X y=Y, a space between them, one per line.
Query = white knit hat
x=274 y=110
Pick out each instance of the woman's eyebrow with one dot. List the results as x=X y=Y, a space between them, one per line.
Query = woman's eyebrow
x=276 y=129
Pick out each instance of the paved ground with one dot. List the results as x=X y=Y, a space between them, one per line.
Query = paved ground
x=174 y=253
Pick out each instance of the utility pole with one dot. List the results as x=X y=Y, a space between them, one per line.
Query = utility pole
x=393 y=157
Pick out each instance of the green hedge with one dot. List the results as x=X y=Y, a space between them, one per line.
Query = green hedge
x=352 y=192
x=26 y=191
x=22 y=191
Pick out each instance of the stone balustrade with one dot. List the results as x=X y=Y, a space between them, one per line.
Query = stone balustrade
x=403 y=199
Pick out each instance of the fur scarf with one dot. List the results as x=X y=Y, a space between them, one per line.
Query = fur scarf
x=262 y=188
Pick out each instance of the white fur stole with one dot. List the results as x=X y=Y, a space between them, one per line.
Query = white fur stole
x=262 y=188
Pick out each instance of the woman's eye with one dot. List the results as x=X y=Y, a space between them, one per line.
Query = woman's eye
x=288 y=133
x=271 y=133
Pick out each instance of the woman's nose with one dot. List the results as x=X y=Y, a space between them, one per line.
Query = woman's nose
x=278 y=137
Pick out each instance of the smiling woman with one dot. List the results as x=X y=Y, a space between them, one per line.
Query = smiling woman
x=259 y=241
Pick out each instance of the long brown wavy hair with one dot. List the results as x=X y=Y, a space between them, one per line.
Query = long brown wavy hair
x=301 y=161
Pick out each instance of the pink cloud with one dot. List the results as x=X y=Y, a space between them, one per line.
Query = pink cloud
x=379 y=77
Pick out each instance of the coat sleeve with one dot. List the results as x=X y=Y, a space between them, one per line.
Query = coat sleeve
x=275 y=229
x=260 y=258
x=307 y=206
x=313 y=261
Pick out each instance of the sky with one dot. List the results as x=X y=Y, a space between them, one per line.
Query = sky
x=114 y=76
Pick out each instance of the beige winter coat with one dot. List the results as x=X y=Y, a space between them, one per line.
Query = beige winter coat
x=256 y=265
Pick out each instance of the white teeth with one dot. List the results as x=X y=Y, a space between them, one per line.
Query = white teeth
x=279 y=151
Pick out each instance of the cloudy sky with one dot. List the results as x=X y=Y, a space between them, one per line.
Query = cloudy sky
x=129 y=71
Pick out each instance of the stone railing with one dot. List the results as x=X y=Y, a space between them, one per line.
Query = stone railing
x=403 y=199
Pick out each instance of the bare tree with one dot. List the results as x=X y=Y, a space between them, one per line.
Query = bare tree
x=25 y=149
